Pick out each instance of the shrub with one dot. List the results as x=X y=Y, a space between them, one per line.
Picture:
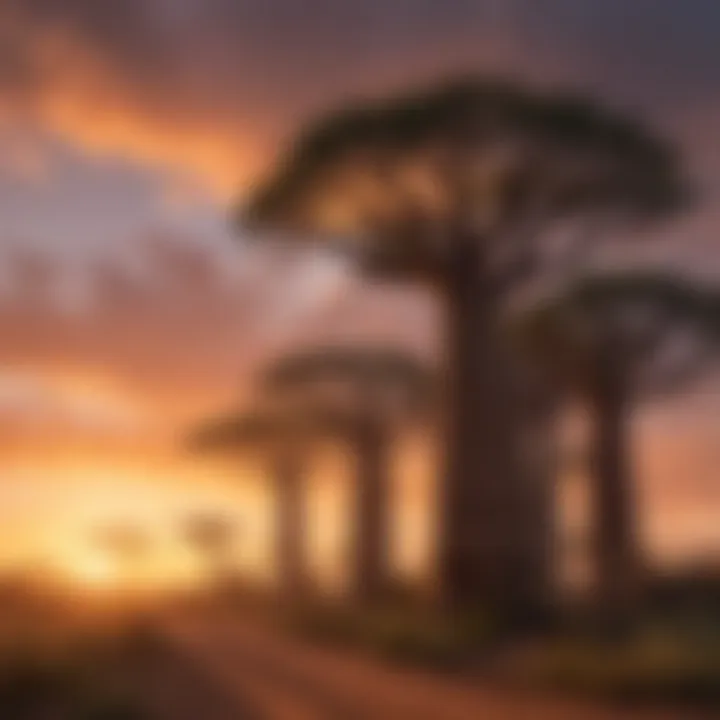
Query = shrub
x=398 y=634
x=655 y=666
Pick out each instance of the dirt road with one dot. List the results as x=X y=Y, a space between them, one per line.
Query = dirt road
x=274 y=677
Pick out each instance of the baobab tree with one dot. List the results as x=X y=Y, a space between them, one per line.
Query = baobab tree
x=374 y=392
x=611 y=341
x=276 y=439
x=212 y=537
x=282 y=438
x=126 y=543
x=461 y=188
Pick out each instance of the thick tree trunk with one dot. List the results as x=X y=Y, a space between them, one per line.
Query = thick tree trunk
x=614 y=522
x=289 y=525
x=482 y=542
x=538 y=452
x=371 y=541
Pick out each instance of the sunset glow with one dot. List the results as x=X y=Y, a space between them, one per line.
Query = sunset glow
x=129 y=310
x=93 y=571
x=360 y=359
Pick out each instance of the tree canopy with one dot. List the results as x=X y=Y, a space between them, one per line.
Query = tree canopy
x=262 y=429
x=659 y=326
x=395 y=180
x=387 y=380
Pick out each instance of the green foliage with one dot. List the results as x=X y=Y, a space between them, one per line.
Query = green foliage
x=64 y=659
x=399 y=634
x=659 y=665
x=70 y=681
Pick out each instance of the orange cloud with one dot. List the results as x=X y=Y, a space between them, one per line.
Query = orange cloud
x=208 y=88
x=84 y=104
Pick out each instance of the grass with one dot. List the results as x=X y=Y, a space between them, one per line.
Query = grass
x=407 y=635
x=74 y=682
x=672 y=657
x=656 y=665
x=60 y=660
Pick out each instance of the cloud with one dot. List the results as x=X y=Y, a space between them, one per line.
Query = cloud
x=171 y=329
x=106 y=83
x=84 y=405
x=210 y=86
x=181 y=330
x=150 y=349
x=22 y=158
x=205 y=89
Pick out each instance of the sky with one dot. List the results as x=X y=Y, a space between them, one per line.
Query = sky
x=129 y=305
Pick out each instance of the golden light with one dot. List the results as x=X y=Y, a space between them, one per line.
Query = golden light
x=93 y=571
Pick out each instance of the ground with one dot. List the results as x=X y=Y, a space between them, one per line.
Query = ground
x=261 y=673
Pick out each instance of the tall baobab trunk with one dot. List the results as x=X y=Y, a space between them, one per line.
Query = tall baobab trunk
x=480 y=554
x=371 y=527
x=289 y=525
x=538 y=453
x=615 y=549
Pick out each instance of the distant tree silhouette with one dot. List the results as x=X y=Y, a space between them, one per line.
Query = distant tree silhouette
x=612 y=340
x=212 y=536
x=127 y=544
x=374 y=392
x=283 y=439
x=459 y=188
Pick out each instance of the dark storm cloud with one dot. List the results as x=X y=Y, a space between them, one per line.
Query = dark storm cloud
x=234 y=75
